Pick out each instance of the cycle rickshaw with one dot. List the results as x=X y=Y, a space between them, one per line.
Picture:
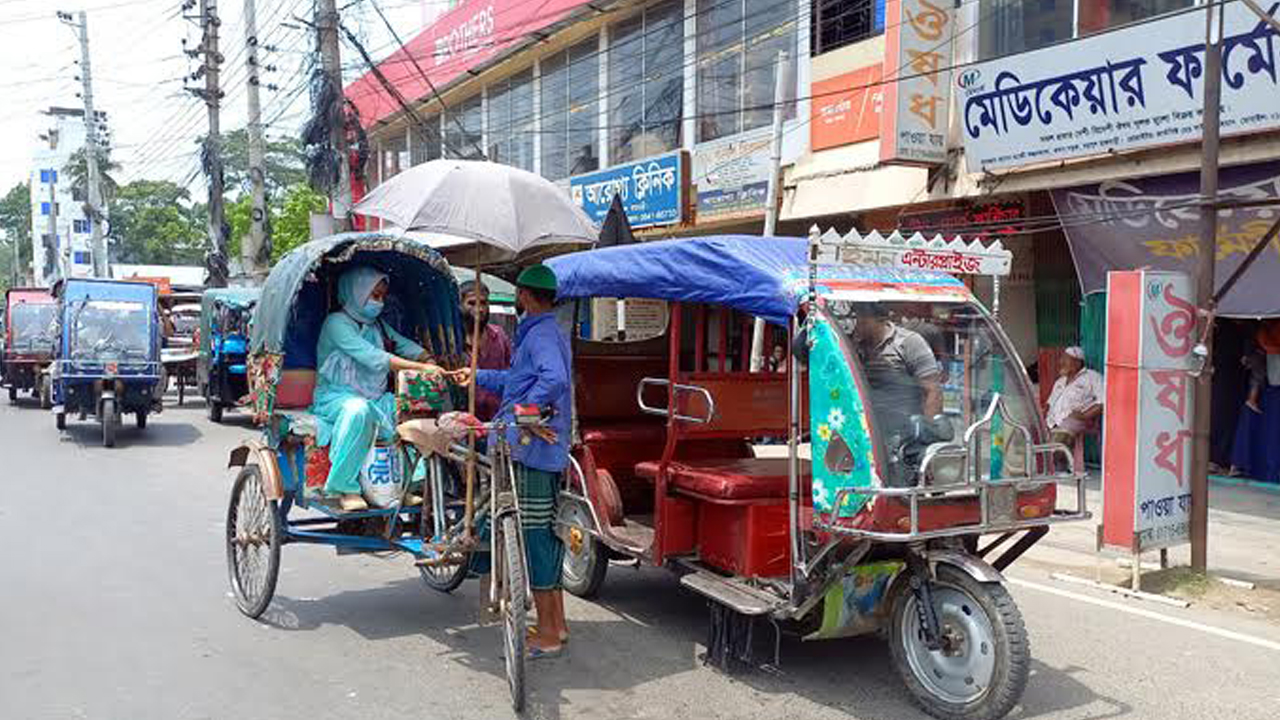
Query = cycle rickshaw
x=274 y=500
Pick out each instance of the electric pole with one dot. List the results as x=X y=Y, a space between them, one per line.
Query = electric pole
x=90 y=145
x=62 y=259
x=327 y=20
x=254 y=251
x=212 y=96
x=1205 y=286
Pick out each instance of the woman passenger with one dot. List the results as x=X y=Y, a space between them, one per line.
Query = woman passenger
x=352 y=404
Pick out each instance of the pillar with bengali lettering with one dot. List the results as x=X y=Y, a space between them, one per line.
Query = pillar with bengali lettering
x=1146 y=457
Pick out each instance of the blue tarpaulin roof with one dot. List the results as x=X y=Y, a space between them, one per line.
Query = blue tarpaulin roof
x=756 y=275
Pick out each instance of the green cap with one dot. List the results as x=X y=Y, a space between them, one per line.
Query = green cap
x=537 y=276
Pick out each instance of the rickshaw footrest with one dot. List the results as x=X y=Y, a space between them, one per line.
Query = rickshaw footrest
x=740 y=597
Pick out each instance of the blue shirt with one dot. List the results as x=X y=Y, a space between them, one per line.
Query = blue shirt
x=540 y=374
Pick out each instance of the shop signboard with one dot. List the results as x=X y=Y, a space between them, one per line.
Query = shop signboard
x=846 y=109
x=1154 y=222
x=653 y=190
x=917 y=91
x=981 y=221
x=1131 y=88
x=471 y=34
x=732 y=176
x=1150 y=397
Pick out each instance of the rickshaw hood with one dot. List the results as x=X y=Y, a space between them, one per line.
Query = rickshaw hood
x=764 y=276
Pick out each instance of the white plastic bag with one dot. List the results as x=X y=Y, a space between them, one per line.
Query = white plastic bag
x=382 y=478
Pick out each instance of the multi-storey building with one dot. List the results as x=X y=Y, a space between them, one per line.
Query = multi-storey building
x=62 y=230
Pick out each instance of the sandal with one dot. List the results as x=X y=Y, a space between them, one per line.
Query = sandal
x=532 y=633
x=537 y=653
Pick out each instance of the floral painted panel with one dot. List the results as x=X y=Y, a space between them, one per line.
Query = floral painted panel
x=842 y=449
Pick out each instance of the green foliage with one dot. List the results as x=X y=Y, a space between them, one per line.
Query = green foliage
x=293 y=227
x=153 y=222
x=283 y=159
x=77 y=169
x=15 y=228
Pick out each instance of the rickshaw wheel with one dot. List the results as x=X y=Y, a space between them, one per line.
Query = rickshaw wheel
x=46 y=399
x=514 y=604
x=585 y=558
x=253 y=543
x=981 y=672
x=108 y=417
x=445 y=578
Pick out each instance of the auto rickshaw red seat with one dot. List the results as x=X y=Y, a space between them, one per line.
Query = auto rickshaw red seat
x=624 y=431
x=731 y=479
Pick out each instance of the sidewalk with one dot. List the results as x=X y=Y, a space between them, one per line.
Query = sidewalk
x=1244 y=544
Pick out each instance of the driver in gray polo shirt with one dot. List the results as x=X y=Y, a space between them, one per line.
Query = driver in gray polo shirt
x=900 y=368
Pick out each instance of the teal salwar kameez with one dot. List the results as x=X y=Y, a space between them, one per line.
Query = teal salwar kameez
x=351 y=403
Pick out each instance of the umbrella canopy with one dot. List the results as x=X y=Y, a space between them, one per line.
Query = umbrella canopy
x=496 y=205
x=616 y=229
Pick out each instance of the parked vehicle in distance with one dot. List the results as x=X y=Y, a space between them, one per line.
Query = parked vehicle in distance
x=222 y=340
x=28 y=342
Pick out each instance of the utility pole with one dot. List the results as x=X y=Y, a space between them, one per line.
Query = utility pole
x=254 y=250
x=780 y=82
x=1205 y=285
x=212 y=95
x=327 y=21
x=90 y=144
x=61 y=258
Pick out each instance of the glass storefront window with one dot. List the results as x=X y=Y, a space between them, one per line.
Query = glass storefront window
x=426 y=141
x=464 y=142
x=570 y=110
x=738 y=46
x=510 y=109
x=646 y=83
x=1010 y=26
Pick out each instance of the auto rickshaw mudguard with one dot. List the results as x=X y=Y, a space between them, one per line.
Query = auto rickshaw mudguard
x=258 y=453
x=974 y=567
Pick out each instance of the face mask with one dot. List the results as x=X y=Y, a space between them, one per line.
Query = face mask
x=373 y=308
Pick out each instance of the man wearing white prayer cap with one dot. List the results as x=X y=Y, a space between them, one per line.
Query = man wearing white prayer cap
x=1076 y=400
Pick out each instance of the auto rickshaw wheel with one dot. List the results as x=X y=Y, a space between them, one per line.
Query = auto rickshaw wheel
x=253 y=543
x=60 y=420
x=981 y=670
x=513 y=607
x=141 y=417
x=109 y=422
x=586 y=559
x=13 y=395
x=215 y=410
x=46 y=395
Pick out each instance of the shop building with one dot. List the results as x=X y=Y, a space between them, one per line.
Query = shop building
x=62 y=227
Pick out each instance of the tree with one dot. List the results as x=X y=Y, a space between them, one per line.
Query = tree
x=15 y=226
x=292 y=227
x=154 y=222
x=283 y=159
x=77 y=168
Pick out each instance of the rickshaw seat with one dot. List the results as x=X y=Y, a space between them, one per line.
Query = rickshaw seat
x=734 y=479
x=625 y=432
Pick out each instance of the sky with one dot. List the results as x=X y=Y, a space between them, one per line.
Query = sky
x=138 y=68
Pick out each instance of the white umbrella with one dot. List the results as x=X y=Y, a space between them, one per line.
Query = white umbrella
x=485 y=212
x=505 y=208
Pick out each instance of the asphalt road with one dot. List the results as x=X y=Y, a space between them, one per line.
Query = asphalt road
x=114 y=604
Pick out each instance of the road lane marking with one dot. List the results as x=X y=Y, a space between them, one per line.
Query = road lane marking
x=1141 y=612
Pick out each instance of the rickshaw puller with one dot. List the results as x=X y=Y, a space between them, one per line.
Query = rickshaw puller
x=540 y=375
x=351 y=403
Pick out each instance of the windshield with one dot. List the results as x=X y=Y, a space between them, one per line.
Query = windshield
x=931 y=370
x=185 y=324
x=31 y=325
x=110 y=329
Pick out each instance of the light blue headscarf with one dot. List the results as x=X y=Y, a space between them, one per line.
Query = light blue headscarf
x=354 y=288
